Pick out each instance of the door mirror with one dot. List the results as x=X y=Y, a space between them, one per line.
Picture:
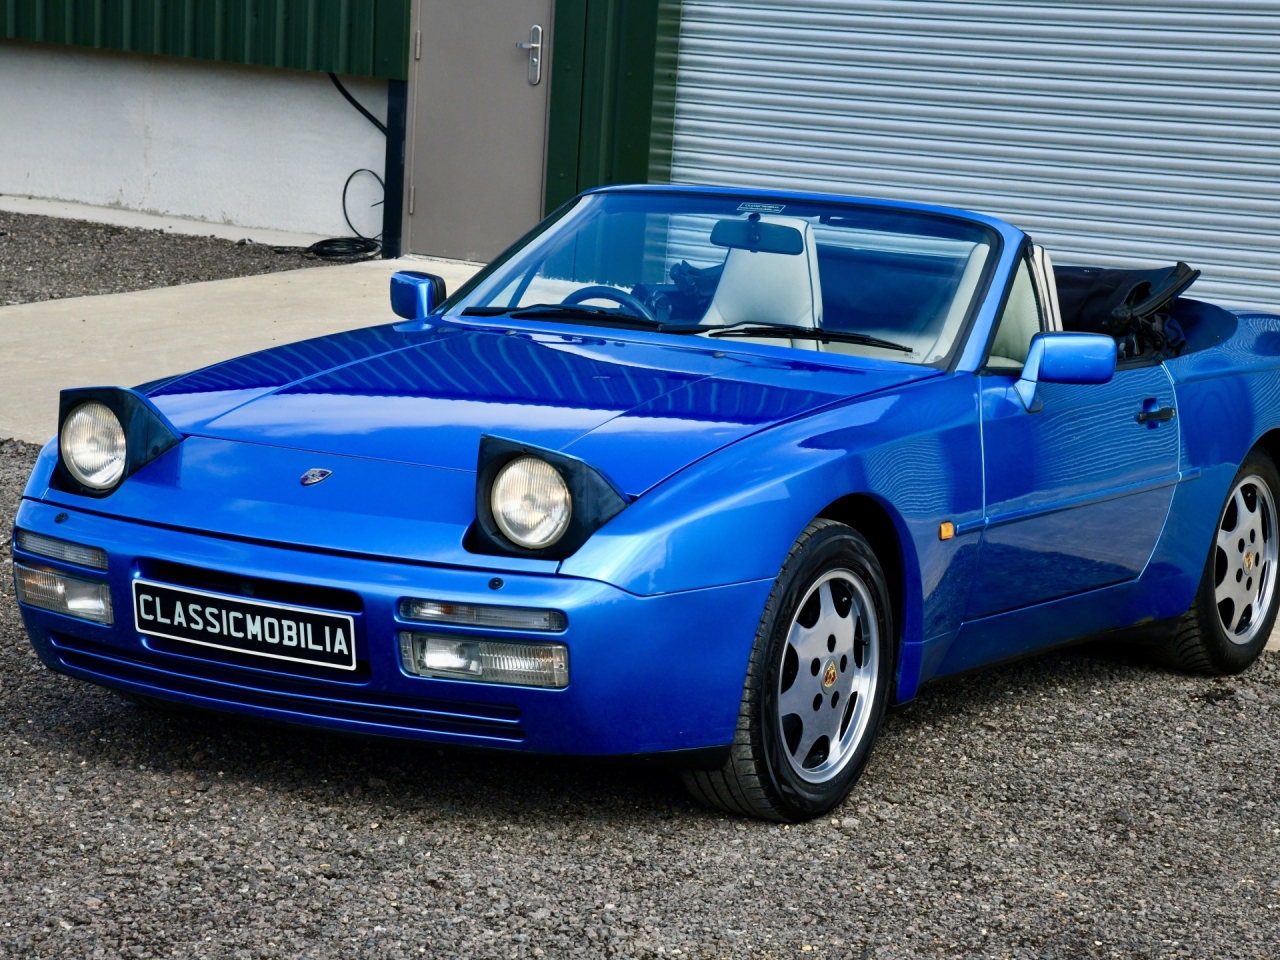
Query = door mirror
x=1065 y=358
x=414 y=295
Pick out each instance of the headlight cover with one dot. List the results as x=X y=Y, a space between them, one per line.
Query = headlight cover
x=537 y=503
x=92 y=445
x=106 y=434
x=531 y=503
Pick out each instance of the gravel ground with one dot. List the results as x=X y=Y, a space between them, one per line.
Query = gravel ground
x=47 y=258
x=1076 y=805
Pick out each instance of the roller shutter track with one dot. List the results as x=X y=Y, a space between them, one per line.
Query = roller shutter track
x=1123 y=134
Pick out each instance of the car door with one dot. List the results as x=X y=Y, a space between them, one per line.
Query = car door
x=1076 y=493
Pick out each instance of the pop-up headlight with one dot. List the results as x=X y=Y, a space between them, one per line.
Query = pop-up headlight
x=538 y=503
x=106 y=434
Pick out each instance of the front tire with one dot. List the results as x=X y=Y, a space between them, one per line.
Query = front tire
x=1234 y=610
x=817 y=684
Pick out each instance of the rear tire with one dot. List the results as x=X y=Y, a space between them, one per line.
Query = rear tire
x=1235 y=606
x=818 y=681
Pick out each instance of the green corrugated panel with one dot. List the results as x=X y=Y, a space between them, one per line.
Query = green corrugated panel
x=367 y=38
x=612 y=94
x=564 y=126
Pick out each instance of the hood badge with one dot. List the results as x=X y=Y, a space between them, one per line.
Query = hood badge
x=314 y=476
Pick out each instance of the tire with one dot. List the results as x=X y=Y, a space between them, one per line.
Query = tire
x=800 y=687
x=1230 y=619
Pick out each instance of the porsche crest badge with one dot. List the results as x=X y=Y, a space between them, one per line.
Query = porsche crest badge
x=829 y=675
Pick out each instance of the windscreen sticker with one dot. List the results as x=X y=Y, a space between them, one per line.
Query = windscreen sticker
x=761 y=207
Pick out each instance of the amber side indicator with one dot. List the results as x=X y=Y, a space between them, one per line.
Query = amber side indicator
x=946 y=530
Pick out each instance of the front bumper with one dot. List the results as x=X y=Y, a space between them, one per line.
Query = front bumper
x=646 y=674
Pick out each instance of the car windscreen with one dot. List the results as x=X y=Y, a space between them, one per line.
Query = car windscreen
x=761 y=269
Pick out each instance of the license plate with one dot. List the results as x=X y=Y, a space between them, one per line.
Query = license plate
x=274 y=630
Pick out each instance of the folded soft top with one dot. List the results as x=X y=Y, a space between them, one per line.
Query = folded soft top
x=1108 y=300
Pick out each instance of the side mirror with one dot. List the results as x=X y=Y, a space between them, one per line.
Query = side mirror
x=1065 y=358
x=414 y=295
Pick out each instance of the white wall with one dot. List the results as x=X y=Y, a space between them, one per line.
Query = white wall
x=249 y=146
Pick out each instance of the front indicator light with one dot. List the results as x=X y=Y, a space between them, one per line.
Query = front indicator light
x=85 y=599
x=482 y=615
x=485 y=661
x=63 y=550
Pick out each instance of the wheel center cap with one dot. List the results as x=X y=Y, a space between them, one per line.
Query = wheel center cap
x=830 y=674
x=1248 y=561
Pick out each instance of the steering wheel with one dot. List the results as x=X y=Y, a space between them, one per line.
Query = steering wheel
x=618 y=296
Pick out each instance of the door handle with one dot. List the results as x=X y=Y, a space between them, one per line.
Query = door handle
x=534 y=46
x=1159 y=416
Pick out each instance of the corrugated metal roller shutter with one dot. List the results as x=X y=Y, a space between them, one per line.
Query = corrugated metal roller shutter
x=1115 y=133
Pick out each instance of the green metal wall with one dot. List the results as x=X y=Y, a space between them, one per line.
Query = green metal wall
x=612 y=94
x=356 y=37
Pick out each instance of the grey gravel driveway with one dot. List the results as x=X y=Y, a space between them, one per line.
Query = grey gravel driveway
x=1076 y=805
x=48 y=258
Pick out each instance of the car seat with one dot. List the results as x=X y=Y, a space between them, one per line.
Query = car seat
x=766 y=287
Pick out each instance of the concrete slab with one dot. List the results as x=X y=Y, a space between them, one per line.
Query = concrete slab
x=1274 y=643
x=118 y=217
x=128 y=338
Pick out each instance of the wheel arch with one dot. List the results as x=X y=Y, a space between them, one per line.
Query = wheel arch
x=887 y=534
x=1270 y=442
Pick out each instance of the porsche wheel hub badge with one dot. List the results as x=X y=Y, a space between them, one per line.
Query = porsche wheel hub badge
x=829 y=675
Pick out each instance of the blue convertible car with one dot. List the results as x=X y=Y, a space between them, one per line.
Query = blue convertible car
x=702 y=473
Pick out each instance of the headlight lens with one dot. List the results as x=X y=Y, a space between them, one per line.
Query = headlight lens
x=531 y=503
x=93 y=445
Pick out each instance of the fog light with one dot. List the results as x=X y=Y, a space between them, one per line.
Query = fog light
x=482 y=615
x=52 y=591
x=485 y=661
x=62 y=550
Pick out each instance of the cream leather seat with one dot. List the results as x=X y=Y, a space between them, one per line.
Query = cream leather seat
x=765 y=287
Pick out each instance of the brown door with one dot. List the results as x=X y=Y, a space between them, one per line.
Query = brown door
x=476 y=141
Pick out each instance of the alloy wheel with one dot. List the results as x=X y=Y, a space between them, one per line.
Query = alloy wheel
x=1245 y=559
x=827 y=683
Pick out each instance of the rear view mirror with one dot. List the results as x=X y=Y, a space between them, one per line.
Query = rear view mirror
x=1065 y=358
x=751 y=234
x=414 y=295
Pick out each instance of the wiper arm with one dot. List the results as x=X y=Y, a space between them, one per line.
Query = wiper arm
x=784 y=332
x=568 y=313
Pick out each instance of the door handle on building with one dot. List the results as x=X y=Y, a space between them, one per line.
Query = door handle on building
x=534 y=46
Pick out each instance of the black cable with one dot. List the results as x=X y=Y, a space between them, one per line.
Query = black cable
x=359 y=247
x=344 y=200
x=355 y=103
x=345 y=249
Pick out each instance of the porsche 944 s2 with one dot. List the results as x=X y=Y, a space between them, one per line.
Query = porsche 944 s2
x=703 y=473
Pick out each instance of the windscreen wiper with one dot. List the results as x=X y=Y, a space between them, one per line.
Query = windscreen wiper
x=785 y=332
x=567 y=313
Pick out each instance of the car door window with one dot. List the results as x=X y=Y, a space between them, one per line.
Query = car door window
x=1019 y=322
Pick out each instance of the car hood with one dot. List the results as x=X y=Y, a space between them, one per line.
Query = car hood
x=637 y=407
